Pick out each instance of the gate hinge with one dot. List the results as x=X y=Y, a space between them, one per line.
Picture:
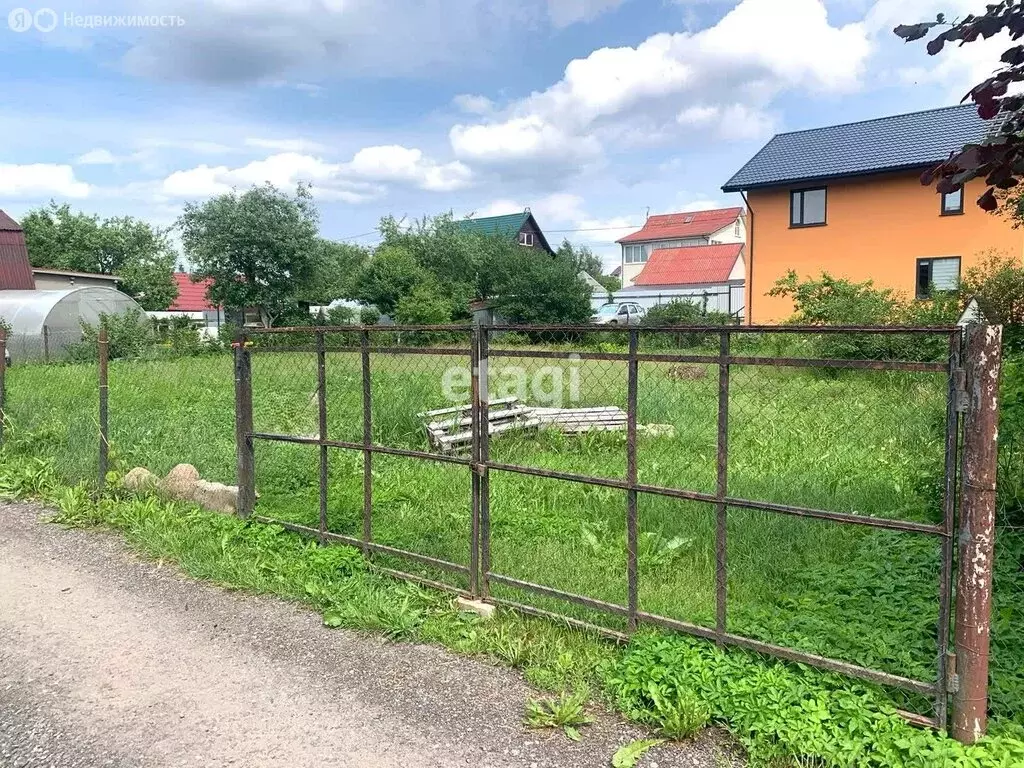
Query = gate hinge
x=952 y=678
x=960 y=387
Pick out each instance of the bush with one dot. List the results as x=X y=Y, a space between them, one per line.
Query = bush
x=369 y=315
x=129 y=335
x=1011 y=444
x=838 y=301
x=341 y=315
x=683 y=312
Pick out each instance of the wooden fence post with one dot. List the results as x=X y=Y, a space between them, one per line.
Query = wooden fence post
x=976 y=532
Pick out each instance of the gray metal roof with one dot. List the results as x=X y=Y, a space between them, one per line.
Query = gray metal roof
x=908 y=141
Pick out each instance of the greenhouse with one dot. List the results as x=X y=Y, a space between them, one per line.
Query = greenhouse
x=43 y=323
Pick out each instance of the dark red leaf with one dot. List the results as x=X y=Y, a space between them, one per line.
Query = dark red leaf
x=988 y=202
x=1013 y=56
x=935 y=45
x=928 y=177
x=911 y=32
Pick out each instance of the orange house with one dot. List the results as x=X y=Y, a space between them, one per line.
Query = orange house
x=848 y=200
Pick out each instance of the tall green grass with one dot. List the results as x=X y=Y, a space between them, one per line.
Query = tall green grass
x=864 y=442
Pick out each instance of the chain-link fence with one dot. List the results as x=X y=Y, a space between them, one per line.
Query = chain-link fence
x=788 y=491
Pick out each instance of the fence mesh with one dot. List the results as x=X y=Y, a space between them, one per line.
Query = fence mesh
x=814 y=427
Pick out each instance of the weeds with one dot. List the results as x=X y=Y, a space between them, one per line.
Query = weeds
x=566 y=712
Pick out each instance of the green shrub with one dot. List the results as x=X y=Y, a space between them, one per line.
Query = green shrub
x=837 y=301
x=682 y=312
x=341 y=315
x=369 y=315
x=129 y=335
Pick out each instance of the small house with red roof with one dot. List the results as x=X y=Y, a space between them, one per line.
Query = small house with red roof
x=193 y=303
x=698 y=256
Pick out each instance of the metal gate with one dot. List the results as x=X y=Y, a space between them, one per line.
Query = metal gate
x=965 y=372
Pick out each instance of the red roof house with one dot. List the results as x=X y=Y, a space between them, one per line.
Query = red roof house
x=191 y=296
x=15 y=269
x=672 y=226
x=695 y=265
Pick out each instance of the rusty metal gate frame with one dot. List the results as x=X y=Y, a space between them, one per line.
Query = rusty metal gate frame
x=479 y=573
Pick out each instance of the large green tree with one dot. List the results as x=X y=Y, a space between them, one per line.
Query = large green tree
x=134 y=250
x=259 y=247
x=334 y=271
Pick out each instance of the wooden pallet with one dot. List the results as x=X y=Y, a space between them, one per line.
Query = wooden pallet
x=449 y=429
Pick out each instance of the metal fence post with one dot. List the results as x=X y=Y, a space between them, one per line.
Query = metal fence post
x=475 y=468
x=321 y=397
x=484 y=456
x=632 y=375
x=104 y=354
x=721 y=512
x=976 y=538
x=46 y=344
x=246 y=463
x=364 y=348
x=3 y=381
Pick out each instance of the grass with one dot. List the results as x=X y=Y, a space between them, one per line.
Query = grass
x=866 y=442
x=785 y=716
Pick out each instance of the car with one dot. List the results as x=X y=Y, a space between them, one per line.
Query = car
x=619 y=313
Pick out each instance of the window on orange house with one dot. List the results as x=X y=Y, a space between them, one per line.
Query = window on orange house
x=937 y=275
x=953 y=202
x=807 y=207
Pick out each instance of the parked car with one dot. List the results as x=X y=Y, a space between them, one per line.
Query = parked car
x=619 y=313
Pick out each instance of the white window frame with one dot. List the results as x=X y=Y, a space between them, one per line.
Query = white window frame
x=526 y=239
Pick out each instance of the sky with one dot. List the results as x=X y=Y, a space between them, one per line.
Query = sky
x=592 y=113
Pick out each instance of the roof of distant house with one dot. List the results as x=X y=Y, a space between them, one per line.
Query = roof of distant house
x=15 y=269
x=677 y=225
x=191 y=296
x=7 y=224
x=899 y=142
x=72 y=273
x=695 y=265
x=508 y=225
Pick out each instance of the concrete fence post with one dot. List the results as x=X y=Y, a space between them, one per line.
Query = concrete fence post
x=3 y=381
x=976 y=531
x=103 y=352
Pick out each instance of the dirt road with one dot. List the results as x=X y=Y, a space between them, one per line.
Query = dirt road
x=107 y=660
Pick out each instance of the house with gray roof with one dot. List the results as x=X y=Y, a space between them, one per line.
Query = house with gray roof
x=848 y=200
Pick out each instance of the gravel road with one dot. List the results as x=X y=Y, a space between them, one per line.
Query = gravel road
x=109 y=660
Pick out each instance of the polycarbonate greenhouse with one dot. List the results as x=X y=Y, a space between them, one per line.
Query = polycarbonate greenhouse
x=44 y=323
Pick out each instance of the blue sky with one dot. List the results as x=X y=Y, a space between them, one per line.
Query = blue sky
x=590 y=112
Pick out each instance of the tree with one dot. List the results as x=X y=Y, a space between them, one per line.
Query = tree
x=531 y=286
x=134 y=250
x=584 y=259
x=610 y=282
x=258 y=247
x=999 y=158
x=389 y=276
x=333 y=272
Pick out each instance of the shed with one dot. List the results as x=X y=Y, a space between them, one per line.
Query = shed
x=44 y=323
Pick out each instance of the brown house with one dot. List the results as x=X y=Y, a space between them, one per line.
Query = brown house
x=15 y=269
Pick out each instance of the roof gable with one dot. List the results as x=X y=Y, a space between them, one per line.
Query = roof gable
x=695 y=265
x=15 y=269
x=671 y=226
x=893 y=143
x=508 y=225
x=7 y=224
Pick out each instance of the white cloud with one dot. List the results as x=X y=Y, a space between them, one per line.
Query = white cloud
x=97 y=157
x=360 y=180
x=401 y=164
x=40 y=180
x=719 y=81
x=520 y=138
x=473 y=104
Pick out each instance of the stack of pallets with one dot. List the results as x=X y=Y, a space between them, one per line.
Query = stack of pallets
x=449 y=430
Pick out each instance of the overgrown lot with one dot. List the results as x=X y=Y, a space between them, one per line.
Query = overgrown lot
x=869 y=442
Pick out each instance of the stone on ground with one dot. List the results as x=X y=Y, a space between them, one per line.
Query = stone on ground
x=140 y=479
